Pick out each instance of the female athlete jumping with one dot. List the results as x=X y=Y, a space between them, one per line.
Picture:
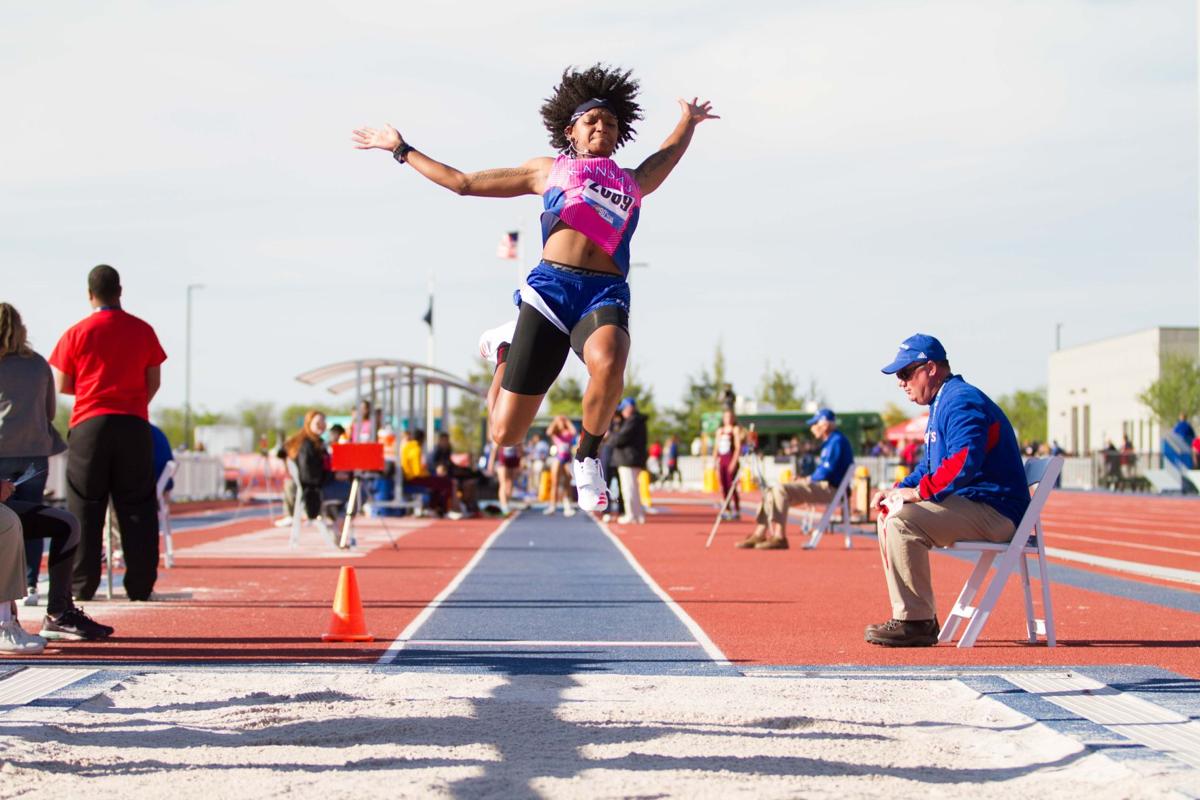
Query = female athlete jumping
x=577 y=297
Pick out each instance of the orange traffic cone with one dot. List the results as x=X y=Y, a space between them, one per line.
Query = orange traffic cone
x=347 y=623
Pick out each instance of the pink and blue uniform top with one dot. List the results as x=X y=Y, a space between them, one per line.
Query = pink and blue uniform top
x=597 y=198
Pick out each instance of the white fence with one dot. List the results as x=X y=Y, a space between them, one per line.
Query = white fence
x=200 y=476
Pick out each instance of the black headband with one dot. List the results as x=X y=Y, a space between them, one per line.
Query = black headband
x=588 y=105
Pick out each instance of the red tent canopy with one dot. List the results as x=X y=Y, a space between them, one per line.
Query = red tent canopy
x=908 y=430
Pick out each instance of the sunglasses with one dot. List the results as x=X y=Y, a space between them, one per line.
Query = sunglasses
x=907 y=373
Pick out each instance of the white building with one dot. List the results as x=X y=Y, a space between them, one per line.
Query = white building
x=1092 y=390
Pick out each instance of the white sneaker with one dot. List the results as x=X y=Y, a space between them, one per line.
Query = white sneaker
x=568 y=510
x=283 y=522
x=490 y=340
x=14 y=641
x=550 y=509
x=590 y=483
x=32 y=599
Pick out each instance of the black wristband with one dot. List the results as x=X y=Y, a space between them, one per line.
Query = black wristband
x=401 y=152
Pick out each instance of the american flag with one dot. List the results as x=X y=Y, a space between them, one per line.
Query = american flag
x=508 y=246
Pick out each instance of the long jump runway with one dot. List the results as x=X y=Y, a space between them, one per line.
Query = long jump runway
x=551 y=657
x=557 y=595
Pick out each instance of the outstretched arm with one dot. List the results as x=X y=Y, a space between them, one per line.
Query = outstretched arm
x=655 y=169
x=529 y=178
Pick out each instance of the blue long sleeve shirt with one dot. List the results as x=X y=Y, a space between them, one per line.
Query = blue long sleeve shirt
x=836 y=457
x=971 y=451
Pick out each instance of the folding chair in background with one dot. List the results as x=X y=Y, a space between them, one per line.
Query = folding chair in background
x=1028 y=540
x=164 y=512
x=840 y=501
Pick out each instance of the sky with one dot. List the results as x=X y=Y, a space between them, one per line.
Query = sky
x=980 y=171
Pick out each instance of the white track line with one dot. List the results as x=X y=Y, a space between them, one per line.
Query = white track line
x=1132 y=567
x=709 y=646
x=406 y=635
x=540 y=643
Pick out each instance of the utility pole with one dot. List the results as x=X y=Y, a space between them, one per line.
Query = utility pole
x=187 y=377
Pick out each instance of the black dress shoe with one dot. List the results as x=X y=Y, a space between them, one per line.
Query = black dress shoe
x=904 y=633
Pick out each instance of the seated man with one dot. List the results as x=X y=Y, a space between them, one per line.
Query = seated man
x=416 y=473
x=970 y=486
x=836 y=457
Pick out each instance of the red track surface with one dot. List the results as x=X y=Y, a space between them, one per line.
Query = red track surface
x=810 y=607
x=234 y=610
x=779 y=607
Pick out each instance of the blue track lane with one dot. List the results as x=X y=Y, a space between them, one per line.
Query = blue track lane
x=558 y=580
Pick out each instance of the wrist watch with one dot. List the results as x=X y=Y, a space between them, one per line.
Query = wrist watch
x=401 y=152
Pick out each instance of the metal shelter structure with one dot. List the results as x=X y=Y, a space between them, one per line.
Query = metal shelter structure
x=400 y=388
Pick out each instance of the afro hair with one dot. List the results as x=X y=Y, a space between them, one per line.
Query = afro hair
x=615 y=86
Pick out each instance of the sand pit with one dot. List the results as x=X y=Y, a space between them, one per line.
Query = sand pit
x=200 y=733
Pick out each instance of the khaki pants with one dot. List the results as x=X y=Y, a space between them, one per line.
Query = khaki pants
x=776 y=501
x=12 y=556
x=909 y=533
x=631 y=493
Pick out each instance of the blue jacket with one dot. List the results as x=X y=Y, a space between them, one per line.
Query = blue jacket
x=972 y=451
x=1184 y=431
x=836 y=457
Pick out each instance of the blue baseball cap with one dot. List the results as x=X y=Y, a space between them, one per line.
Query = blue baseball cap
x=626 y=403
x=821 y=416
x=915 y=349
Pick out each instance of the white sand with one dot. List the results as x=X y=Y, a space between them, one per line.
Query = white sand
x=210 y=734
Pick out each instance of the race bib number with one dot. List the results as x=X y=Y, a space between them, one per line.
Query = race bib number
x=609 y=204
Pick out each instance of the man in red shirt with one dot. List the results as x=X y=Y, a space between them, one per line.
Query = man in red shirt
x=110 y=361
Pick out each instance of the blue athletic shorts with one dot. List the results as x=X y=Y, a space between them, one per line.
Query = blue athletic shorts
x=565 y=296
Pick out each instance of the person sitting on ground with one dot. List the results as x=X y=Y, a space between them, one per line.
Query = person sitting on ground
x=306 y=449
x=970 y=486
x=837 y=454
x=416 y=473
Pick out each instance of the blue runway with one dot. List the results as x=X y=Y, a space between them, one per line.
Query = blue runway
x=555 y=595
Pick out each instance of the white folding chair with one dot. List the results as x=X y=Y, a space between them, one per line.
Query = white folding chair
x=164 y=512
x=298 y=515
x=840 y=501
x=1028 y=540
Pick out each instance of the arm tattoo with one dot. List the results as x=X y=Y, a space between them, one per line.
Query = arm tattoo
x=658 y=160
x=506 y=172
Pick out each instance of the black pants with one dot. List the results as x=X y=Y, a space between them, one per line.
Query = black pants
x=112 y=456
x=61 y=528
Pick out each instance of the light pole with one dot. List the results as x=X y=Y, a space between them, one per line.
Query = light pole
x=187 y=375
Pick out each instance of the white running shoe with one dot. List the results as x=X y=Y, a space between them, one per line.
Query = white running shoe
x=490 y=340
x=33 y=598
x=14 y=641
x=549 y=510
x=590 y=483
x=568 y=510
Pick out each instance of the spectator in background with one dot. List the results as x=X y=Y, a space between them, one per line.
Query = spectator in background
x=671 y=454
x=730 y=438
x=162 y=456
x=362 y=426
x=561 y=433
x=464 y=480
x=837 y=454
x=538 y=454
x=416 y=473
x=629 y=456
x=111 y=362
x=508 y=463
x=306 y=449
x=654 y=461
x=1183 y=437
x=27 y=435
